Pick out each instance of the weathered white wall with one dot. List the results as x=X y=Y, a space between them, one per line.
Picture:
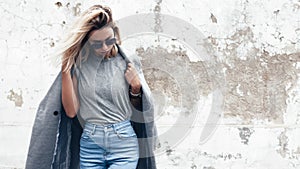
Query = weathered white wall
x=227 y=83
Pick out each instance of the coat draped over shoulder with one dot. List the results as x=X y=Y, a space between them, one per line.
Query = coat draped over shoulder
x=55 y=137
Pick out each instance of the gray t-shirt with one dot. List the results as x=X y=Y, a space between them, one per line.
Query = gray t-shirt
x=103 y=90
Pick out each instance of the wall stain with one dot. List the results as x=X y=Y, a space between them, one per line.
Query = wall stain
x=210 y=167
x=16 y=98
x=283 y=144
x=157 y=10
x=256 y=87
x=196 y=153
x=257 y=84
x=245 y=134
x=58 y=4
x=77 y=9
x=213 y=18
x=174 y=158
x=189 y=78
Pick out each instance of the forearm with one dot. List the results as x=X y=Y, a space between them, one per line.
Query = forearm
x=135 y=95
x=69 y=96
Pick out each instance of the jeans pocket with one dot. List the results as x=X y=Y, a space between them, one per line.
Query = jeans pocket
x=85 y=134
x=125 y=132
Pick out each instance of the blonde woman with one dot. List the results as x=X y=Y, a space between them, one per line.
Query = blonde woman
x=102 y=90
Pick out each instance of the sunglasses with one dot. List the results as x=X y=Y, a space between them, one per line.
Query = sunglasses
x=108 y=42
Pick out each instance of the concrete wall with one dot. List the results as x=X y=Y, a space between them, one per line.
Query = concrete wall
x=224 y=74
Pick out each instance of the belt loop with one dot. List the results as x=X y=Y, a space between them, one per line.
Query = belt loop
x=94 y=128
x=115 y=129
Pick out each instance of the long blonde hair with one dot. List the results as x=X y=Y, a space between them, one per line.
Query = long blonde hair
x=74 y=47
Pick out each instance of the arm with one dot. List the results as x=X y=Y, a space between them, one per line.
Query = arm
x=135 y=86
x=69 y=94
x=136 y=98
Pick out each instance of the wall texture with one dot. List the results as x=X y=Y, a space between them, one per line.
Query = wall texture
x=224 y=74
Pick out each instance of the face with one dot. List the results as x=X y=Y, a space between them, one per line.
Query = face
x=102 y=40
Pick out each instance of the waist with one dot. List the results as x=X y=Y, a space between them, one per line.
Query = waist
x=115 y=126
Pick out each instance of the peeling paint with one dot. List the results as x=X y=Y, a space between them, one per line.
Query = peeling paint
x=16 y=98
x=213 y=18
x=157 y=10
x=245 y=134
x=223 y=156
x=58 y=4
x=283 y=143
x=256 y=82
x=160 y=59
x=77 y=9
x=210 y=167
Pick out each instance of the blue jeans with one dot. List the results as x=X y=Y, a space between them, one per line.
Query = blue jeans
x=113 y=146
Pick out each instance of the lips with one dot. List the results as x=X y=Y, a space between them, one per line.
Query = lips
x=103 y=53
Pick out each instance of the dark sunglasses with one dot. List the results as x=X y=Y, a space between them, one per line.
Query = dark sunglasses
x=108 y=42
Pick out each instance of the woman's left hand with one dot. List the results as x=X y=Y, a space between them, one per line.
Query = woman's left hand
x=132 y=78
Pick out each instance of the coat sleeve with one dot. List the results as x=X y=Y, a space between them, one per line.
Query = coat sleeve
x=44 y=132
x=55 y=137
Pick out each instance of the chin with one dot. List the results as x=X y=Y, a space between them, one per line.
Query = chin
x=101 y=53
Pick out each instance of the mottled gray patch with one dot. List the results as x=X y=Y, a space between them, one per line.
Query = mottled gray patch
x=210 y=167
x=76 y=9
x=283 y=144
x=245 y=134
x=213 y=18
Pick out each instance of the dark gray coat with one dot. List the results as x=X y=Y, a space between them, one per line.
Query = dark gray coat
x=55 y=137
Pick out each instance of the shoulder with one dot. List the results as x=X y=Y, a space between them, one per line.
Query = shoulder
x=135 y=59
x=131 y=56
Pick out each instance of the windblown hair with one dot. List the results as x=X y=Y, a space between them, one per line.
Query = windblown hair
x=75 y=48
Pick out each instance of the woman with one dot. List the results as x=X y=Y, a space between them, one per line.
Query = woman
x=103 y=91
x=106 y=90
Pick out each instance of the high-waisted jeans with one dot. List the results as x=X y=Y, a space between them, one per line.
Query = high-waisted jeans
x=113 y=146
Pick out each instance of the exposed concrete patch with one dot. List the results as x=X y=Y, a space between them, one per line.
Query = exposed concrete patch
x=175 y=63
x=15 y=97
x=178 y=82
x=257 y=87
x=257 y=84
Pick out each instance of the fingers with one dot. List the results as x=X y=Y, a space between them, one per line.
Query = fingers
x=131 y=74
x=130 y=68
x=129 y=65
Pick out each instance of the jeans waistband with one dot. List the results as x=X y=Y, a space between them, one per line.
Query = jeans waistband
x=115 y=126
